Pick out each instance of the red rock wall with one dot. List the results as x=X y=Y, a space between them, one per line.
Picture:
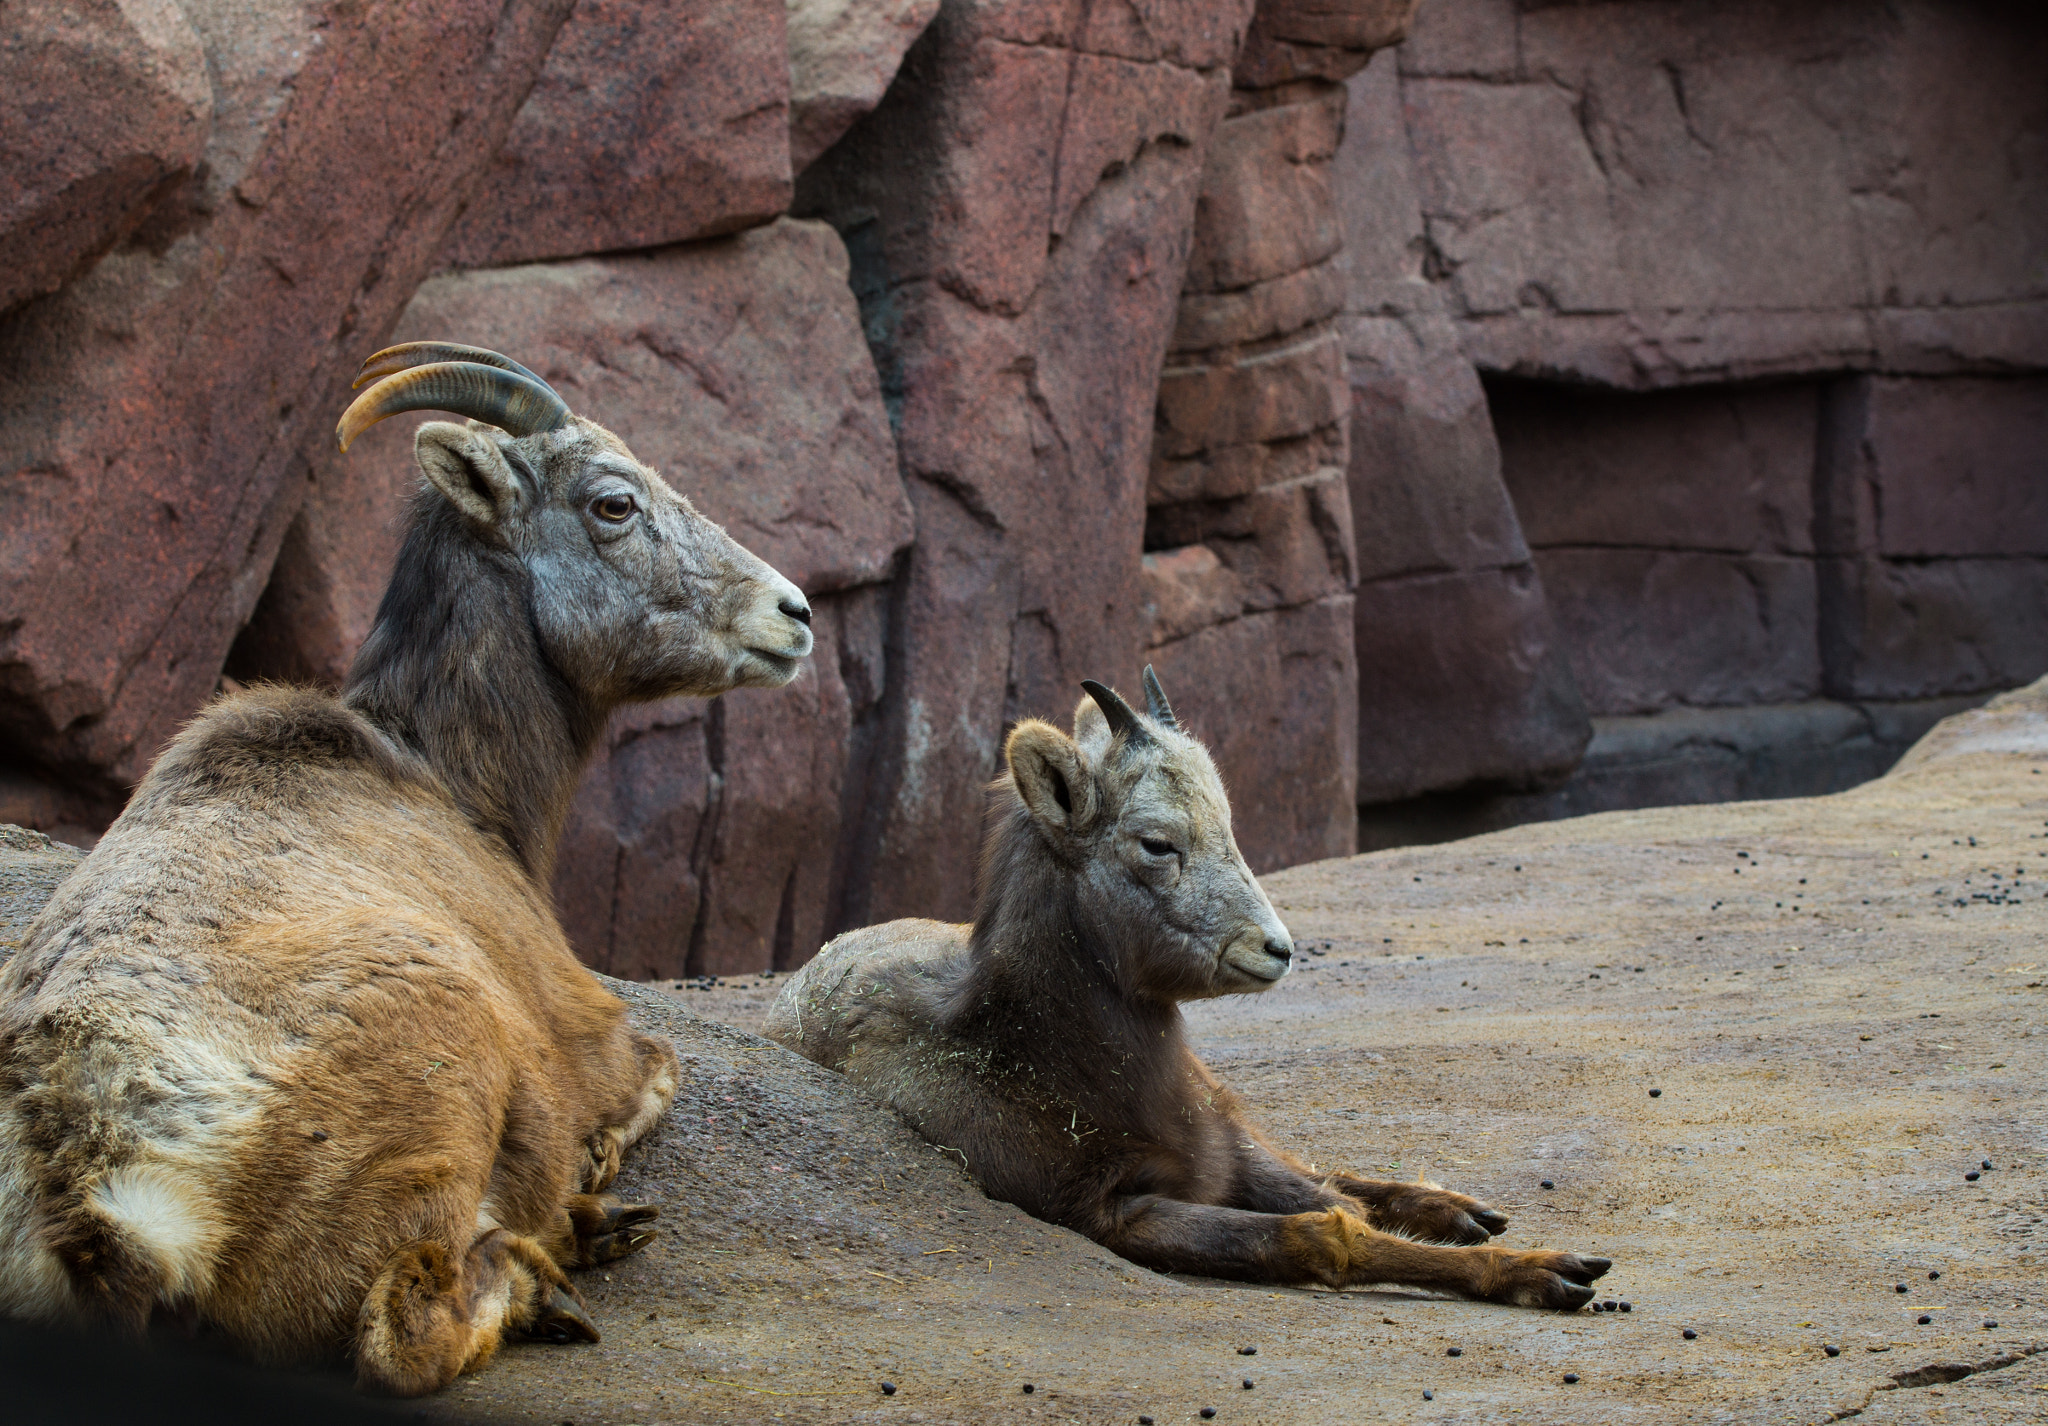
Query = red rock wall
x=1415 y=418
x=1749 y=292
x=156 y=412
x=1018 y=210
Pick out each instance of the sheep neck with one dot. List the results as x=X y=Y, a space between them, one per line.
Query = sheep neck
x=454 y=671
x=1047 y=989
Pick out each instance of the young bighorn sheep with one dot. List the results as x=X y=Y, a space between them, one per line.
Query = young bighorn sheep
x=299 y=1055
x=1044 y=1043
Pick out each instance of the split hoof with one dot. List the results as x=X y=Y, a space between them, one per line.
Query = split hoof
x=563 y=1320
x=1561 y=1282
x=607 y=1230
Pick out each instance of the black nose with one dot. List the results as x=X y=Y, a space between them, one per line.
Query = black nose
x=1280 y=950
x=796 y=609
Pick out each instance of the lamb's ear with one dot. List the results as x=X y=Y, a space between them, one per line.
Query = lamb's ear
x=1091 y=729
x=1052 y=777
x=465 y=465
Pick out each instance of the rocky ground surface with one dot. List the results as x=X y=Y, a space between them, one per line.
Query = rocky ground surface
x=1840 y=1003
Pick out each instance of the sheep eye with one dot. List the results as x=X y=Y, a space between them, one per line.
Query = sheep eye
x=616 y=509
x=1156 y=847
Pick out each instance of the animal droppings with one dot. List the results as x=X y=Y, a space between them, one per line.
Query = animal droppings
x=1430 y=1395
x=1547 y=1184
x=1247 y=1351
x=1029 y=1388
x=1898 y=1287
x=888 y=1388
x=1989 y=1325
x=1571 y=1378
x=1656 y=1094
x=1454 y=1352
x=1934 y=1277
x=1628 y=1307
x=1832 y=1351
x=1207 y=1412
x=1144 y=1421
x=1972 y=1176
x=1689 y=1334
x=1247 y=1383
x=1987 y=1165
x=1925 y=1319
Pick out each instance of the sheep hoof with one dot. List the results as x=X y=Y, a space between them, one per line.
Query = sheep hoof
x=562 y=1320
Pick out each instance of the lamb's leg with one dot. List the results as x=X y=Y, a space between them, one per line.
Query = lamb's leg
x=1421 y=1209
x=1273 y=1182
x=428 y=1317
x=1336 y=1248
x=654 y=1091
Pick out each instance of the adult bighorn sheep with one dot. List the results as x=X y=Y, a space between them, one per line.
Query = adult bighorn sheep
x=299 y=1055
x=1044 y=1043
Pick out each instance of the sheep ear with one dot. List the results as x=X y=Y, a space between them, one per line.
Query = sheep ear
x=465 y=465
x=1051 y=777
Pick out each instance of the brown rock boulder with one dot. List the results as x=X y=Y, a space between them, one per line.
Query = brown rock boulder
x=735 y=367
x=1318 y=39
x=103 y=104
x=1267 y=208
x=654 y=121
x=153 y=413
x=1287 y=544
x=842 y=55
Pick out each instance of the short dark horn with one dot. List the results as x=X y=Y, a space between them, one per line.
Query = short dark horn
x=521 y=405
x=407 y=355
x=1155 y=701
x=1121 y=718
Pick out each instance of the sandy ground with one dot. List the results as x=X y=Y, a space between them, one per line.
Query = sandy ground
x=1843 y=1002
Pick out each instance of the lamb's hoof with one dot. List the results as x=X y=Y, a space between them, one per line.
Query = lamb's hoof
x=1561 y=1282
x=1440 y=1215
x=562 y=1320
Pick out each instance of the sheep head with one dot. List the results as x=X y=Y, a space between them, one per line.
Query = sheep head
x=1136 y=813
x=633 y=593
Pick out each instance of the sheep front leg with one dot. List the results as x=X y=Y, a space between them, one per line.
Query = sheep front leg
x=1421 y=1209
x=1335 y=1248
x=655 y=1089
x=1274 y=1182
x=429 y=1317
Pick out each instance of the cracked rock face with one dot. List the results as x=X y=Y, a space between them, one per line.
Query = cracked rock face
x=842 y=55
x=102 y=105
x=154 y=412
x=653 y=121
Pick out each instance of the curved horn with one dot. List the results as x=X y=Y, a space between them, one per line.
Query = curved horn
x=1117 y=712
x=406 y=355
x=1155 y=701
x=522 y=405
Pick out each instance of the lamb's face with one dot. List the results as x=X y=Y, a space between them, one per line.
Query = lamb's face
x=635 y=594
x=1157 y=868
